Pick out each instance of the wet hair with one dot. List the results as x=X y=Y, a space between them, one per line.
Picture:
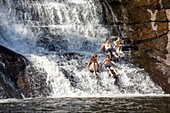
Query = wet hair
x=118 y=38
x=107 y=40
x=94 y=55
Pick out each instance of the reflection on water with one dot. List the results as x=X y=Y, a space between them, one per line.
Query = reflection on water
x=153 y=104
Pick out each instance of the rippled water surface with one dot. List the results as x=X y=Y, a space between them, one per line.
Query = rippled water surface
x=143 y=104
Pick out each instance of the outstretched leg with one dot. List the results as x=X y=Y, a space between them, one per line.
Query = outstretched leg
x=115 y=76
x=113 y=55
x=113 y=69
x=109 y=71
x=95 y=67
x=110 y=55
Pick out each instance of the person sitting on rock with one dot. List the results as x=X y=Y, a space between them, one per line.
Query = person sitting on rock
x=118 y=45
x=109 y=49
x=93 y=65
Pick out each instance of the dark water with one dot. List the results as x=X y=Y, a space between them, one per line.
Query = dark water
x=153 y=104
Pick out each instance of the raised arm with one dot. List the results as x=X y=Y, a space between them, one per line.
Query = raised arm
x=102 y=63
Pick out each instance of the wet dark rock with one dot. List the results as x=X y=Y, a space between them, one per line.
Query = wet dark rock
x=10 y=88
x=13 y=61
x=127 y=48
x=70 y=77
x=37 y=82
x=71 y=55
x=12 y=69
x=26 y=80
x=52 y=42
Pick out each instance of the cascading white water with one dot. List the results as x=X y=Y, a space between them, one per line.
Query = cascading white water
x=42 y=31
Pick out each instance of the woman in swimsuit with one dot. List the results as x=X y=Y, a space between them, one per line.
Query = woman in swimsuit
x=93 y=65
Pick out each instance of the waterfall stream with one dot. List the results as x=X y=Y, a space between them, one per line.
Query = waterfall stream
x=58 y=37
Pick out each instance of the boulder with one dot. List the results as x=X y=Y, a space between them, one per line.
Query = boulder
x=12 y=68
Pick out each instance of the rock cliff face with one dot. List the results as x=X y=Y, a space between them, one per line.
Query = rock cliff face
x=147 y=24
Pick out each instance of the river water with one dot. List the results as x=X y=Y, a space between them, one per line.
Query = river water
x=119 y=104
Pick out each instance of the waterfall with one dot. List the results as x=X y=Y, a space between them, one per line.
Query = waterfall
x=58 y=37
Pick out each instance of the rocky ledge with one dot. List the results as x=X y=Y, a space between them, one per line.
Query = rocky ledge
x=147 y=24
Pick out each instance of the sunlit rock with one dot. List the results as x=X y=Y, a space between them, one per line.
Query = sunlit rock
x=147 y=26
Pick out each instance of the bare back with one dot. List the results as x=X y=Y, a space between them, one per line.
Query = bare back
x=108 y=45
